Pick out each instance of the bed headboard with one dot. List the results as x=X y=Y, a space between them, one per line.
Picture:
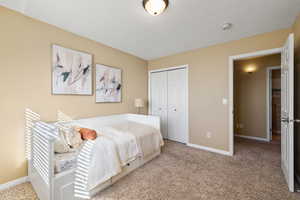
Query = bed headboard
x=98 y=122
x=150 y=120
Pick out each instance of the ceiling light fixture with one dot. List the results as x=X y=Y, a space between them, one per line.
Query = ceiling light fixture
x=250 y=69
x=155 y=7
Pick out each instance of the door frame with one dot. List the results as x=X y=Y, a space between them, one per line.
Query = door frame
x=269 y=101
x=231 y=87
x=186 y=67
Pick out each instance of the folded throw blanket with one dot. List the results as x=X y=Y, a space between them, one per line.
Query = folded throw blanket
x=104 y=162
x=126 y=144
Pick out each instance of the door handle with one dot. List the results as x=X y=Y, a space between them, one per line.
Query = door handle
x=295 y=120
x=285 y=120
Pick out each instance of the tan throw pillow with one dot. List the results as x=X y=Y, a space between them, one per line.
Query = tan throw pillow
x=73 y=138
x=61 y=145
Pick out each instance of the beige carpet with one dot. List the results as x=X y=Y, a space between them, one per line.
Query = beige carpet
x=185 y=173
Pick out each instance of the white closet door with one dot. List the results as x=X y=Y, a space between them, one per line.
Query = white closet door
x=159 y=99
x=177 y=111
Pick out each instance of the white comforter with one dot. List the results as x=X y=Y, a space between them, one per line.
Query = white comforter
x=147 y=138
x=118 y=145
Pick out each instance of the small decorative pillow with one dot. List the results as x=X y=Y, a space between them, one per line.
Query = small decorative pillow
x=73 y=138
x=88 y=134
x=61 y=145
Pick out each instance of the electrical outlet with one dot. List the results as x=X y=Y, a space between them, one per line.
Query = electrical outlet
x=208 y=134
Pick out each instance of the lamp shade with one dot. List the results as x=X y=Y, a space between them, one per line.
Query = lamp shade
x=139 y=103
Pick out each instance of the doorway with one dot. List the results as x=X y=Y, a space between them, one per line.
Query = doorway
x=232 y=59
x=252 y=97
x=274 y=103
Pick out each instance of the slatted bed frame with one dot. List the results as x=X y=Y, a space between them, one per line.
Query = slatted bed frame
x=71 y=184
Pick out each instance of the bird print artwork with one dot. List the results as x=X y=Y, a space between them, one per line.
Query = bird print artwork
x=71 y=71
x=108 y=84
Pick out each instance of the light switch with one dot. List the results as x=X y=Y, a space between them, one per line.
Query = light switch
x=224 y=101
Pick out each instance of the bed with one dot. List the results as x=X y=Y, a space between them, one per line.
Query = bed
x=67 y=176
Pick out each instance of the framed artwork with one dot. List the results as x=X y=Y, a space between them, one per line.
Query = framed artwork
x=71 y=71
x=108 y=84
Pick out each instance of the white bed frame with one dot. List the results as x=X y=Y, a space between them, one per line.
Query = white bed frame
x=61 y=186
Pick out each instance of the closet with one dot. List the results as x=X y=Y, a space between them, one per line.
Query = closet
x=168 y=100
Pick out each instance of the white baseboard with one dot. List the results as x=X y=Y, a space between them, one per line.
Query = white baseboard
x=227 y=153
x=252 y=138
x=13 y=183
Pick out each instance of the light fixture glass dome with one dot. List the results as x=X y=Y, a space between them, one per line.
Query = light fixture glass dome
x=155 y=7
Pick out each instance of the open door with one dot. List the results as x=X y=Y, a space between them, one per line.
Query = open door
x=287 y=111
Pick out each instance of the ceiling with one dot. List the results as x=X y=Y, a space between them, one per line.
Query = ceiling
x=186 y=24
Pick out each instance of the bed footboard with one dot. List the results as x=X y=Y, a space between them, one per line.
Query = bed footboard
x=81 y=189
x=41 y=162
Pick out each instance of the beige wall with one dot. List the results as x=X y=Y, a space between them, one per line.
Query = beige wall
x=208 y=84
x=296 y=30
x=25 y=49
x=250 y=105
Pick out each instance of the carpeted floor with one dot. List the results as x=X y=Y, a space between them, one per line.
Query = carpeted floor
x=186 y=173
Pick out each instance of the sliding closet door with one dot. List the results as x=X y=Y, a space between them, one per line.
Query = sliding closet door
x=159 y=99
x=177 y=110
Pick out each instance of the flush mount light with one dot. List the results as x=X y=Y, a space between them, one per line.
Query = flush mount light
x=155 y=7
x=250 y=69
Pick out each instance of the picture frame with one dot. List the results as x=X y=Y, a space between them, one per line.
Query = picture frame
x=72 y=71
x=108 y=87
